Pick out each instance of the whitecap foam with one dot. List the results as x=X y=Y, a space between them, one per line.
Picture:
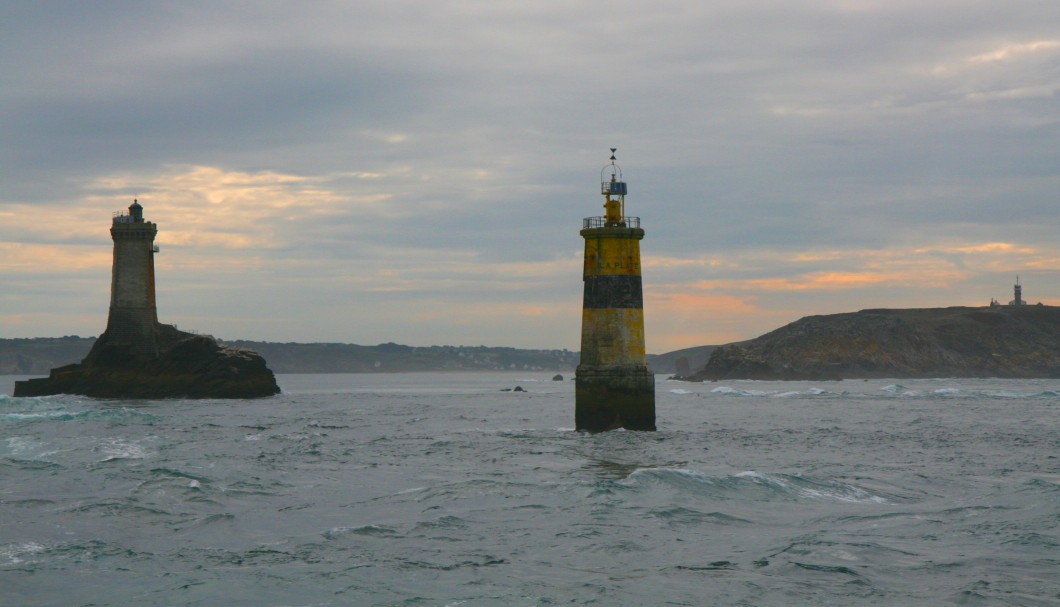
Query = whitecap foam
x=809 y=489
x=945 y=391
x=20 y=445
x=735 y=392
x=900 y=390
x=679 y=391
x=116 y=448
x=840 y=492
x=24 y=447
x=664 y=472
x=15 y=553
x=751 y=474
x=41 y=415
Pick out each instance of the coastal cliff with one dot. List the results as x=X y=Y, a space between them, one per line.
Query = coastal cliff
x=998 y=341
x=185 y=366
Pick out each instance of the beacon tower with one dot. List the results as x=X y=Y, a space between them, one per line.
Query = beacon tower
x=613 y=386
x=133 y=315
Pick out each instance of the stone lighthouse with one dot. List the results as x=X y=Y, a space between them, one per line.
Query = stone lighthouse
x=613 y=386
x=139 y=357
x=133 y=315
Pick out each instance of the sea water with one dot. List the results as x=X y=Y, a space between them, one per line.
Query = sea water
x=445 y=489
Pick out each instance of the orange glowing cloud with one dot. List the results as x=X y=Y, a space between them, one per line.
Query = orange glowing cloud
x=986 y=247
x=676 y=318
x=209 y=207
x=51 y=258
x=670 y=301
x=653 y=262
x=828 y=281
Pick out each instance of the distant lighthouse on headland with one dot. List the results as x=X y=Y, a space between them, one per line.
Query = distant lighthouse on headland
x=1017 y=294
x=613 y=386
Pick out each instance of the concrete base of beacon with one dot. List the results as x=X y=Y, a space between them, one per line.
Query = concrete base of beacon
x=614 y=397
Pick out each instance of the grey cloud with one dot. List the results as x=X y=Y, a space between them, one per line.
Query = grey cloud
x=741 y=126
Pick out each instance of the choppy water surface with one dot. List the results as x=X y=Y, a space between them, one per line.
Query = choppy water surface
x=430 y=489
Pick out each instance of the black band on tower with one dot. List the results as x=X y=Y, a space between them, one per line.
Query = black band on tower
x=604 y=291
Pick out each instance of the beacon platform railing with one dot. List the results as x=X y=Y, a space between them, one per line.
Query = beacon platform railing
x=602 y=222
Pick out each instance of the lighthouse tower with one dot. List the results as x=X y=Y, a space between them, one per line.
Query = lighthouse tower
x=133 y=315
x=613 y=386
x=1017 y=292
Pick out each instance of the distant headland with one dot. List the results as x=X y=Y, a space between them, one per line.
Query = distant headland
x=1015 y=341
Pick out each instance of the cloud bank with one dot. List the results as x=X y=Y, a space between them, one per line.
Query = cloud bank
x=417 y=172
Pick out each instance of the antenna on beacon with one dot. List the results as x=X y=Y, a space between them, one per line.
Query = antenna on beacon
x=616 y=207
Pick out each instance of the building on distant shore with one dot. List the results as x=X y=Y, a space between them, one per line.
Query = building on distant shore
x=1017 y=297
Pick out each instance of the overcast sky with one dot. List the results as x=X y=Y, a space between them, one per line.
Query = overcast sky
x=417 y=171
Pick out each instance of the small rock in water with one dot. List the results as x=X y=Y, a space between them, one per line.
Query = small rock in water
x=557 y=377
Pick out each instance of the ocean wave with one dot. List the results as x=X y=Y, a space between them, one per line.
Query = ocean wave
x=726 y=390
x=364 y=530
x=677 y=516
x=21 y=417
x=119 y=508
x=27 y=555
x=899 y=390
x=27 y=448
x=117 y=449
x=178 y=474
x=31 y=464
x=752 y=485
x=18 y=554
x=49 y=413
x=809 y=392
x=889 y=391
x=1042 y=484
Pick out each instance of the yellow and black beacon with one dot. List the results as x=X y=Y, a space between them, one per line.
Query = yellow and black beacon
x=613 y=386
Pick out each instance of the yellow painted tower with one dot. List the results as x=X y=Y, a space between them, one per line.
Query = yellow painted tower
x=133 y=314
x=613 y=386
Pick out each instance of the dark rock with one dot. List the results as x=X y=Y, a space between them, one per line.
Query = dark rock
x=186 y=366
x=518 y=389
x=1000 y=341
x=557 y=377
